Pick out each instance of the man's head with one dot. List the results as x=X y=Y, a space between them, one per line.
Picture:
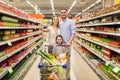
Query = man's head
x=64 y=14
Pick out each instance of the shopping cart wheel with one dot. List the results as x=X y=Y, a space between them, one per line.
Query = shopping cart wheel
x=64 y=66
x=39 y=65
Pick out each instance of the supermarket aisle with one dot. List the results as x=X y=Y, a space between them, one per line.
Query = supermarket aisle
x=81 y=69
x=33 y=73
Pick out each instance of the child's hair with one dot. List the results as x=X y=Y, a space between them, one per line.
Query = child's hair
x=60 y=37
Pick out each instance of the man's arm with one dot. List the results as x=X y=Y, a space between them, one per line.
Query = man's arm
x=73 y=30
x=71 y=39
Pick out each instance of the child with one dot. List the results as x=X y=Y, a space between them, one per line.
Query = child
x=58 y=48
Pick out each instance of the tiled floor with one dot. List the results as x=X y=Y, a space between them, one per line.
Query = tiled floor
x=80 y=70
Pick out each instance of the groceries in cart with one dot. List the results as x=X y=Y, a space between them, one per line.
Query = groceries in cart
x=52 y=59
x=56 y=53
x=54 y=63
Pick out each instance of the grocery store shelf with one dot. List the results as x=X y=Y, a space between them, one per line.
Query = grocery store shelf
x=13 y=40
x=33 y=69
x=12 y=53
x=99 y=32
x=100 y=56
x=94 y=67
x=5 y=71
x=100 y=24
x=8 y=27
x=24 y=70
x=106 y=46
x=103 y=15
x=13 y=15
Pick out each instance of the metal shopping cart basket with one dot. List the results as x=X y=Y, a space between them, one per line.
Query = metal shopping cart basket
x=54 y=70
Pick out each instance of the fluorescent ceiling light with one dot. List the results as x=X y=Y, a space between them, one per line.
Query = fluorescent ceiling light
x=30 y=4
x=73 y=4
x=52 y=6
x=92 y=5
x=34 y=7
x=2 y=2
x=98 y=1
x=78 y=14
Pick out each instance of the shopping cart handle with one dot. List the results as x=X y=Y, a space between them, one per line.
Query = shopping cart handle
x=40 y=65
x=64 y=45
x=64 y=65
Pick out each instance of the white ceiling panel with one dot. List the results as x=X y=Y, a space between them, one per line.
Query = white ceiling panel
x=45 y=6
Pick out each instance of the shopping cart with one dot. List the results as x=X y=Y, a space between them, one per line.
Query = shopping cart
x=56 y=71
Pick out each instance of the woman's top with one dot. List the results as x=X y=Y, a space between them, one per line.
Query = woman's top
x=51 y=35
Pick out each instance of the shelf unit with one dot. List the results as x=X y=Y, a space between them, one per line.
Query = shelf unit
x=103 y=15
x=31 y=33
x=93 y=66
x=21 y=58
x=99 y=32
x=19 y=27
x=13 y=40
x=31 y=19
x=99 y=24
x=96 y=42
x=87 y=29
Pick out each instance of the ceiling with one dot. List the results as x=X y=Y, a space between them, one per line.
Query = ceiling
x=45 y=6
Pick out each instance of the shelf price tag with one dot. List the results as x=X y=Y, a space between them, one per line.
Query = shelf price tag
x=9 y=43
x=116 y=69
x=107 y=63
x=10 y=70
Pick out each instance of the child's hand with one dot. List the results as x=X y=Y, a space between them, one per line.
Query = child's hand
x=47 y=44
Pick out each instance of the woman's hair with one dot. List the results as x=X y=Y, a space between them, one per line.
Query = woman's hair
x=58 y=21
x=60 y=37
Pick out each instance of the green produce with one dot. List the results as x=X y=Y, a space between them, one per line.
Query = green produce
x=12 y=31
x=5 y=18
x=108 y=71
x=8 y=24
x=1 y=69
x=46 y=57
x=1 y=32
x=62 y=73
x=4 y=38
x=2 y=53
x=106 y=40
x=7 y=32
x=54 y=69
x=17 y=35
x=43 y=77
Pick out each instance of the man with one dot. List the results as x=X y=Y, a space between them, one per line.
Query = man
x=67 y=28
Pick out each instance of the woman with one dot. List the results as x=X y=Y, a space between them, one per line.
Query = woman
x=53 y=31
